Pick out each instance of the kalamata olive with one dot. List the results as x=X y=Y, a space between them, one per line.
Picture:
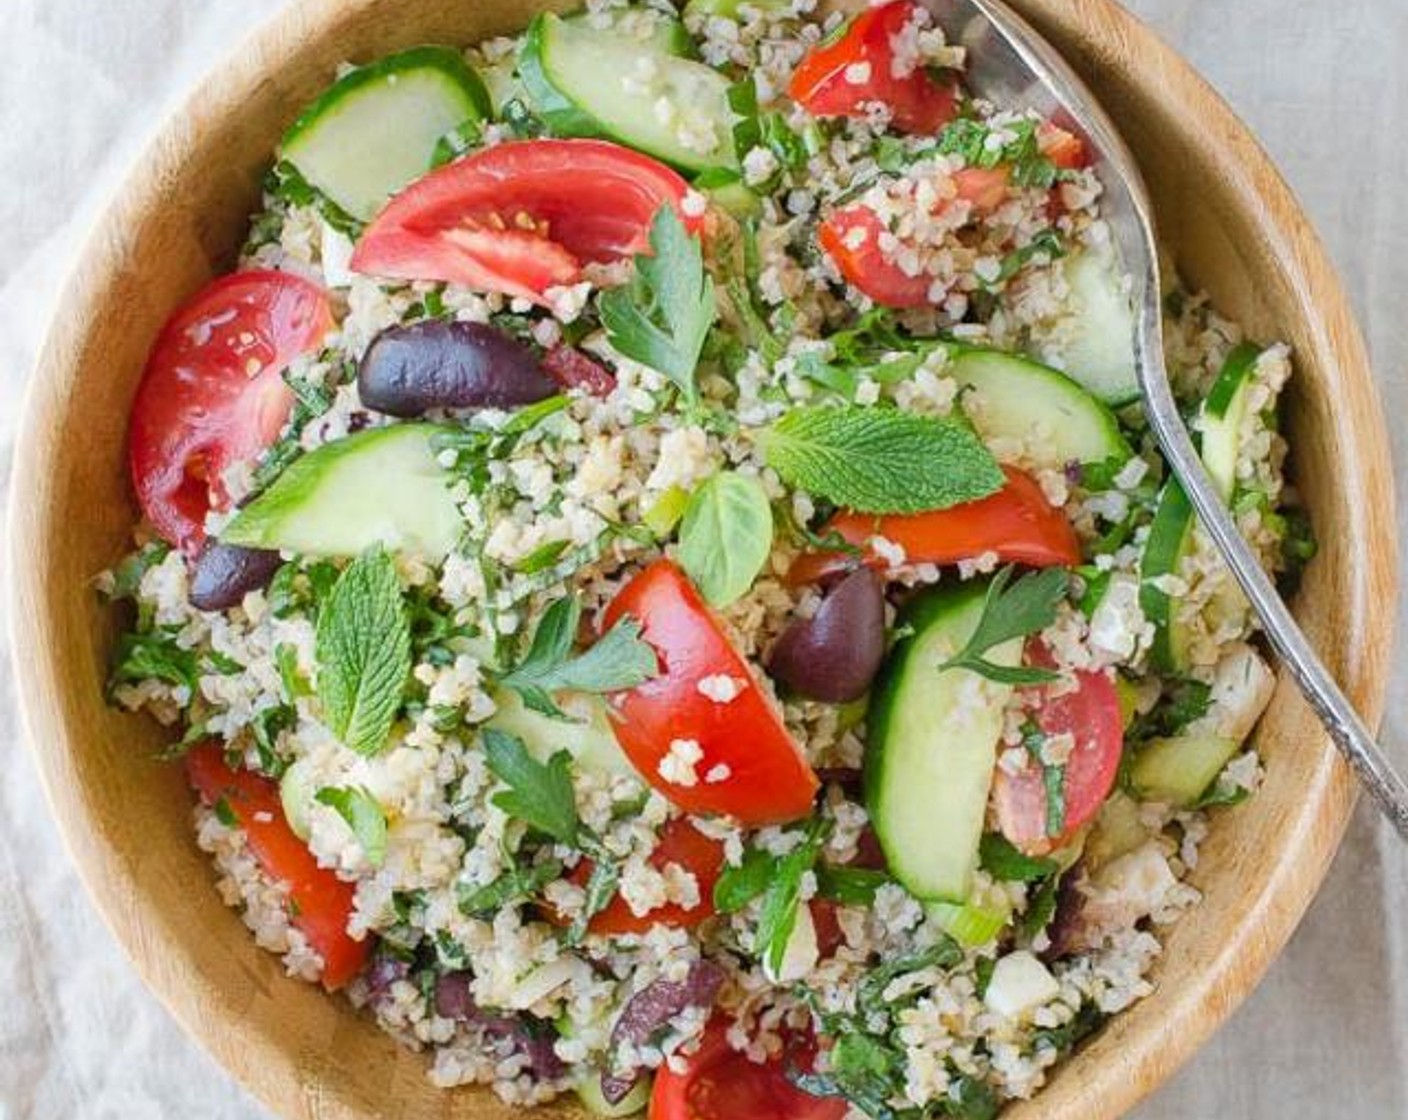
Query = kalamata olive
x=223 y=573
x=835 y=654
x=410 y=370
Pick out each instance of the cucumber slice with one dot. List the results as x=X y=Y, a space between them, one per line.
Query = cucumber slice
x=1098 y=341
x=587 y=737
x=1170 y=538
x=645 y=26
x=932 y=745
x=502 y=84
x=728 y=9
x=382 y=485
x=297 y=788
x=1037 y=408
x=1178 y=771
x=586 y=82
x=376 y=128
x=1223 y=412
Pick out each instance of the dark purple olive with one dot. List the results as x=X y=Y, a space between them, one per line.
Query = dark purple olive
x=835 y=654
x=652 y=1008
x=408 y=371
x=223 y=573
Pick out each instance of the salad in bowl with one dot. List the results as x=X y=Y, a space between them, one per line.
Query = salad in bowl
x=659 y=581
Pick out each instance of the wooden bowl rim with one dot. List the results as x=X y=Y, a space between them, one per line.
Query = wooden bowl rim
x=1315 y=832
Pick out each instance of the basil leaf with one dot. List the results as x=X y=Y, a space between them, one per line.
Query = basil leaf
x=662 y=317
x=880 y=459
x=364 y=816
x=363 y=650
x=726 y=536
x=539 y=794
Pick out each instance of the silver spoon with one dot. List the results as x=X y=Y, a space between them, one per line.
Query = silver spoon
x=1010 y=64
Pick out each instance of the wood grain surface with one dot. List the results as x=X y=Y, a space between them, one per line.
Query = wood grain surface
x=1233 y=228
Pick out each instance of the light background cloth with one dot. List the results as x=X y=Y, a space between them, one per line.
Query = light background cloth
x=84 y=83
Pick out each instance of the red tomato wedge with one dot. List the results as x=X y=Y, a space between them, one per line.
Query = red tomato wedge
x=851 y=238
x=761 y=776
x=1017 y=523
x=681 y=844
x=720 y=1083
x=843 y=78
x=320 y=902
x=521 y=217
x=1091 y=713
x=1061 y=146
x=212 y=393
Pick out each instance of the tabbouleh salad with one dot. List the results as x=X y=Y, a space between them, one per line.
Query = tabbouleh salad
x=659 y=580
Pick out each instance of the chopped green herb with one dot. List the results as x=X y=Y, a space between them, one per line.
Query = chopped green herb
x=850 y=886
x=1027 y=607
x=600 y=890
x=224 y=814
x=739 y=885
x=155 y=655
x=1001 y=860
x=513 y=885
x=539 y=794
x=618 y=660
x=663 y=315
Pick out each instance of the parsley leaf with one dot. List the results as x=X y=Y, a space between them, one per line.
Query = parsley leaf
x=619 y=659
x=778 y=916
x=880 y=460
x=726 y=536
x=514 y=884
x=600 y=890
x=1000 y=859
x=662 y=317
x=850 y=886
x=139 y=657
x=540 y=794
x=364 y=816
x=1028 y=606
x=737 y=886
x=127 y=575
x=363 y=650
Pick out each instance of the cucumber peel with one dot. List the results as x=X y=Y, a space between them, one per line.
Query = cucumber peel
x=376 y=128
x=378 y=486
x=932 y=745
x=1014 y=398
x=1178 y=771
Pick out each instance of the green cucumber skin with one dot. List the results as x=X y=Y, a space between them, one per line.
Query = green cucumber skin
x=446 y=59
x=1223 y=410
x=1168 y=542
x=280 y=516
x=565 y=116
x=957 y=609
x=999 y=375
x=562 y=115
x=1180 y=770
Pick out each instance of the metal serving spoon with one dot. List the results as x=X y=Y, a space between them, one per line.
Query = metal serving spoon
x=1010 y=64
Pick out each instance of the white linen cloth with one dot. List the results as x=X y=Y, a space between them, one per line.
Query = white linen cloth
x=83 y=85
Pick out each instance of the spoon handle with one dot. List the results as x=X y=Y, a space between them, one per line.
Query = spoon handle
x=1010 y=60
x=1353 y=739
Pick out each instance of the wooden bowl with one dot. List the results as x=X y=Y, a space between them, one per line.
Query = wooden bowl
x=1234 y=229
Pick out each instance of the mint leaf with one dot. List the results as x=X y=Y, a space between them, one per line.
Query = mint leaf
x=363 y=650
x=538 y=794
x=1030 y=605
x=619 y=659
x=662 y=317
x=880 y=460
x=364 y=816
x=726 y=536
